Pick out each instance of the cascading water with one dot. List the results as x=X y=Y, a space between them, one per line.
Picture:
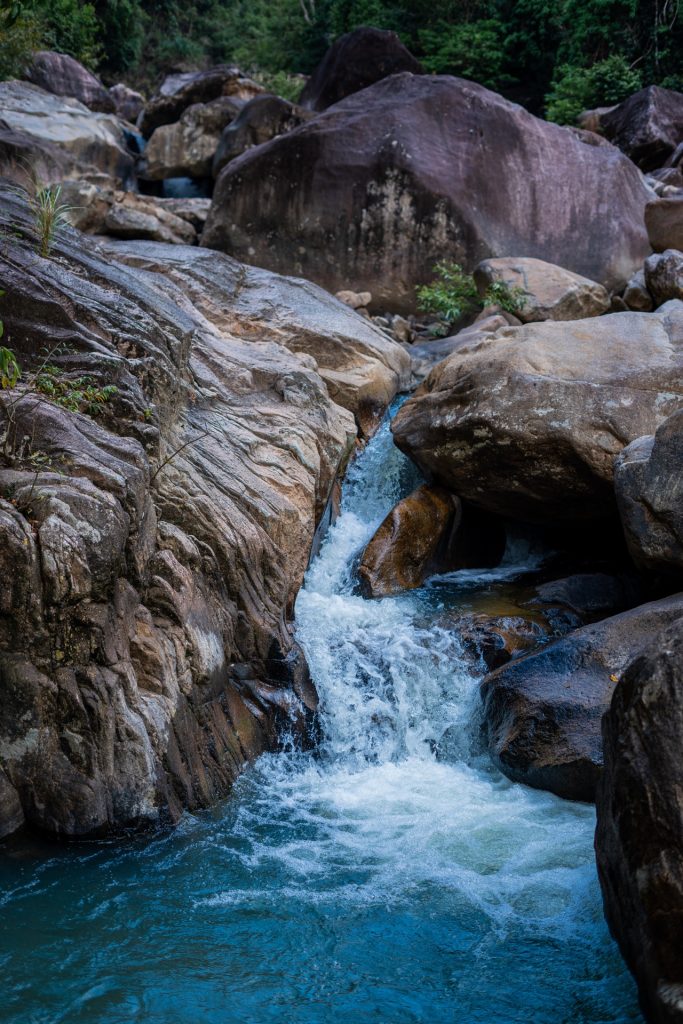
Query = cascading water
x=393 y=876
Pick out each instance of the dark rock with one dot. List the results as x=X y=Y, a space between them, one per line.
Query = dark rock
x=636 y=296
x=664 y=276
x=647 y=126
x=199 y=87
x=542 y=712
x=648 y=477
x=352 y=205
x=664 y=223
x=62 y=75
x=527 y=423
x=260 y=120
x=586 y=597
x=187 y=147
x=353 y=62
x=425 y=533
x=639 y=837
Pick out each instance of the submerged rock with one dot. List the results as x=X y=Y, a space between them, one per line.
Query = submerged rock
x=542 y=712
x=528 y=423
x=639 y=837
x=371 y=193
x=150 y=556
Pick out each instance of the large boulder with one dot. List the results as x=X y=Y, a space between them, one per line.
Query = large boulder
x=62 y=75
x=106 y=211
x=260 y=120
x=152 y=543
x=528 y=423
x=542 y=712
x=127 y=102
x=648 y=478
x=664 y=275
x=639 y=836
x=647 y=126
x=355 y=61
x=371 y=193
x=664 y=223
x=192 y=88
x=427 y=532
x=546 y=292
x=187 y=147
x=87 y=142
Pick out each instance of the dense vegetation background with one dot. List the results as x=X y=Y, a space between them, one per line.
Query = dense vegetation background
x=555 y=56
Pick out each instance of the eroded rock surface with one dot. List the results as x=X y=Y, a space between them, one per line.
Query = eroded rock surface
x=182 y=91
x=528 y=422
x=639 y=837
x=151 y=555
x=372 y=192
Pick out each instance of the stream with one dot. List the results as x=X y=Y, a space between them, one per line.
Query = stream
x=392 y=876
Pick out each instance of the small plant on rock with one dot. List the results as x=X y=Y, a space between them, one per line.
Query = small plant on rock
x=511 y=299
x=48 y=213
x=453 y=294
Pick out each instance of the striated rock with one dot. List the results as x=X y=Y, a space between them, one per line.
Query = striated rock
x=664 y=223
x=259 y=120
x=527 y=423
x=636 y=296
x=355 y=61
x=352 y=205
x=187 y=148
x=542 y=712
x=62 y=75
x=647 y=126
x=85 y=141
x=182 y=91
x=648 y=479
x=664 y=276
x=425 y=533
x=548 y=292
x=127 y=102
x=639 y=837
x=150 y=555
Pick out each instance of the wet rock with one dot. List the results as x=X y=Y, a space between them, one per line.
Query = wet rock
x=636 y=296
x=664 y=223
x=639 y=837
x=259 y=120
x=187 y=147
x=350 y=206
x=586 y=597
x=547 y=292
x=647 y=126
x=649 y=488
x=182 y=91
x=128 y=102
x=542 y=712
x=496 y=640
x=664 y=276
x=149 y=565
x=527 y=423
x=355 y=61
x=86 y=142
x=425 y=533
x=62 y=75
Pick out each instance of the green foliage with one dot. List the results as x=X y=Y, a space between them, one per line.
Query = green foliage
x=49 y=215
x=453 y=293
x=20 y=35
x=9 y=368
x=474 y=50
x=605 y=83
x=79 y=394
x=281 y=84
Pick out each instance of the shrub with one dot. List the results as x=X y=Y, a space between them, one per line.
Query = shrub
x=576 y=89
x=453 y=293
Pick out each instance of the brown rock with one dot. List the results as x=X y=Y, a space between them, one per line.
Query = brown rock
x=62 y=75
x=664 y=223
x=187 y=147
x=664 y=276
x=547 y=292
x=527 y=423
x=350 y=206
x=355 y=61
x=182 y=91
x=639 y=837
x=259 y=120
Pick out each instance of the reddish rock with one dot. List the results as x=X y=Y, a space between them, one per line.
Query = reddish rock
x=647 y=126
x=62 y=75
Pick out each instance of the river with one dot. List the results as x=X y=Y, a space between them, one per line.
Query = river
x=392 y=876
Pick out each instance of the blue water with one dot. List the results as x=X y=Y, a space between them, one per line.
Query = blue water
x=392 y=877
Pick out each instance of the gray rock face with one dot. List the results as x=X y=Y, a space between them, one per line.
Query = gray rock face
x=647 y=126
x=182 y=91
x=372 y=192
x=528 y=422
x=260 y=120
x=664 y=275
x=62 y=75
x=86 y=142
x=547 y=292
x=127 y=102
x=648 y=477
x=187 y=148
x=639 y=837
x=149 y=565
x=542 y=712
x=355 y=61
